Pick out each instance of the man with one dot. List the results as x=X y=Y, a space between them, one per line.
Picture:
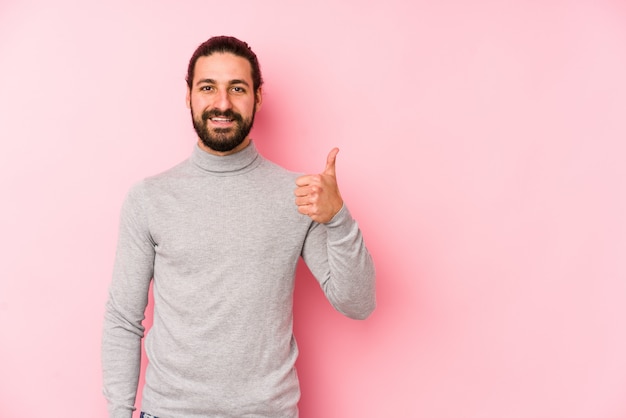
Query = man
x=220 y=235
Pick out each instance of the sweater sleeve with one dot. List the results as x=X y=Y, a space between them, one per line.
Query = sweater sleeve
x=124 y=313
x=336 y=255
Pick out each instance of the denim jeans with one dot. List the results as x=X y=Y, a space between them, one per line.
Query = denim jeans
x=144 y=415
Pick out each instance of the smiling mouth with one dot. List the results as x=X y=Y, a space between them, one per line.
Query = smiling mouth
x=226 y=119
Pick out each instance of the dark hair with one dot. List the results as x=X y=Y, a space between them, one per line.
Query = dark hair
x=223 y=44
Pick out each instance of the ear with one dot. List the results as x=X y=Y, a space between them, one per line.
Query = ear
x=258 y=99
x=188 y=98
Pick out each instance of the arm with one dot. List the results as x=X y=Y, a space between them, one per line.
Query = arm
x=124 y=314
x=334 y=249
x=336 y=255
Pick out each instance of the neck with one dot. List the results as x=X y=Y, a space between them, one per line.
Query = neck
x=238 y=148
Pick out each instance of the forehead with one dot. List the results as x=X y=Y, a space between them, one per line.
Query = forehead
x=222 y=67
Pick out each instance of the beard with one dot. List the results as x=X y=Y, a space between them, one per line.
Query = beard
x=222 y=139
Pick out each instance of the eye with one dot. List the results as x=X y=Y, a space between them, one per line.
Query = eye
x=206 y=88
x=238 y=89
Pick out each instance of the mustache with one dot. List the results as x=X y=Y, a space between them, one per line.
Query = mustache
x=213 y=113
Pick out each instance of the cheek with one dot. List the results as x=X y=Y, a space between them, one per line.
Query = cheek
x=249 y=107
x=197 y=106
x=199 y=101
x=196 y=112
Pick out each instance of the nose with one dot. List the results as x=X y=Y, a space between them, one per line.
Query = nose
x=222 y=100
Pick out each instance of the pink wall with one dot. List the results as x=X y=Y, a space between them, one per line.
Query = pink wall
x=482 y=148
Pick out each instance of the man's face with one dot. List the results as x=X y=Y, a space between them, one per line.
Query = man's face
x=223 y=102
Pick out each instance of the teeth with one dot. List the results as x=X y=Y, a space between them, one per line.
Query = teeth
x=221 y=119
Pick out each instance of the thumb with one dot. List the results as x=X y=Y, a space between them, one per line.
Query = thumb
x=330 y=162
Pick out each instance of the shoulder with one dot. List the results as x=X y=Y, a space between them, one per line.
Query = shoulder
x=142 y=190
x=165 y=180
x=278 y=172
x=177 y=171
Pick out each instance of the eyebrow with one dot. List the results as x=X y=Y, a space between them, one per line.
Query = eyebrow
x=230 y=83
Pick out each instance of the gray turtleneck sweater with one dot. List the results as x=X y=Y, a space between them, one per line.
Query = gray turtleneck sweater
x=220 y=237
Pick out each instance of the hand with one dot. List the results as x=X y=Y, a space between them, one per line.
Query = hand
x=317 y=195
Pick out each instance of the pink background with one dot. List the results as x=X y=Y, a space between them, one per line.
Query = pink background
x=482 y=148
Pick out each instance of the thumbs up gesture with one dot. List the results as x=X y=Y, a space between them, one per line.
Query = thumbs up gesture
x=317 y=195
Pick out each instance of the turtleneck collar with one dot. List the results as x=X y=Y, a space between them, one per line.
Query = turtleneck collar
x=228 y=165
